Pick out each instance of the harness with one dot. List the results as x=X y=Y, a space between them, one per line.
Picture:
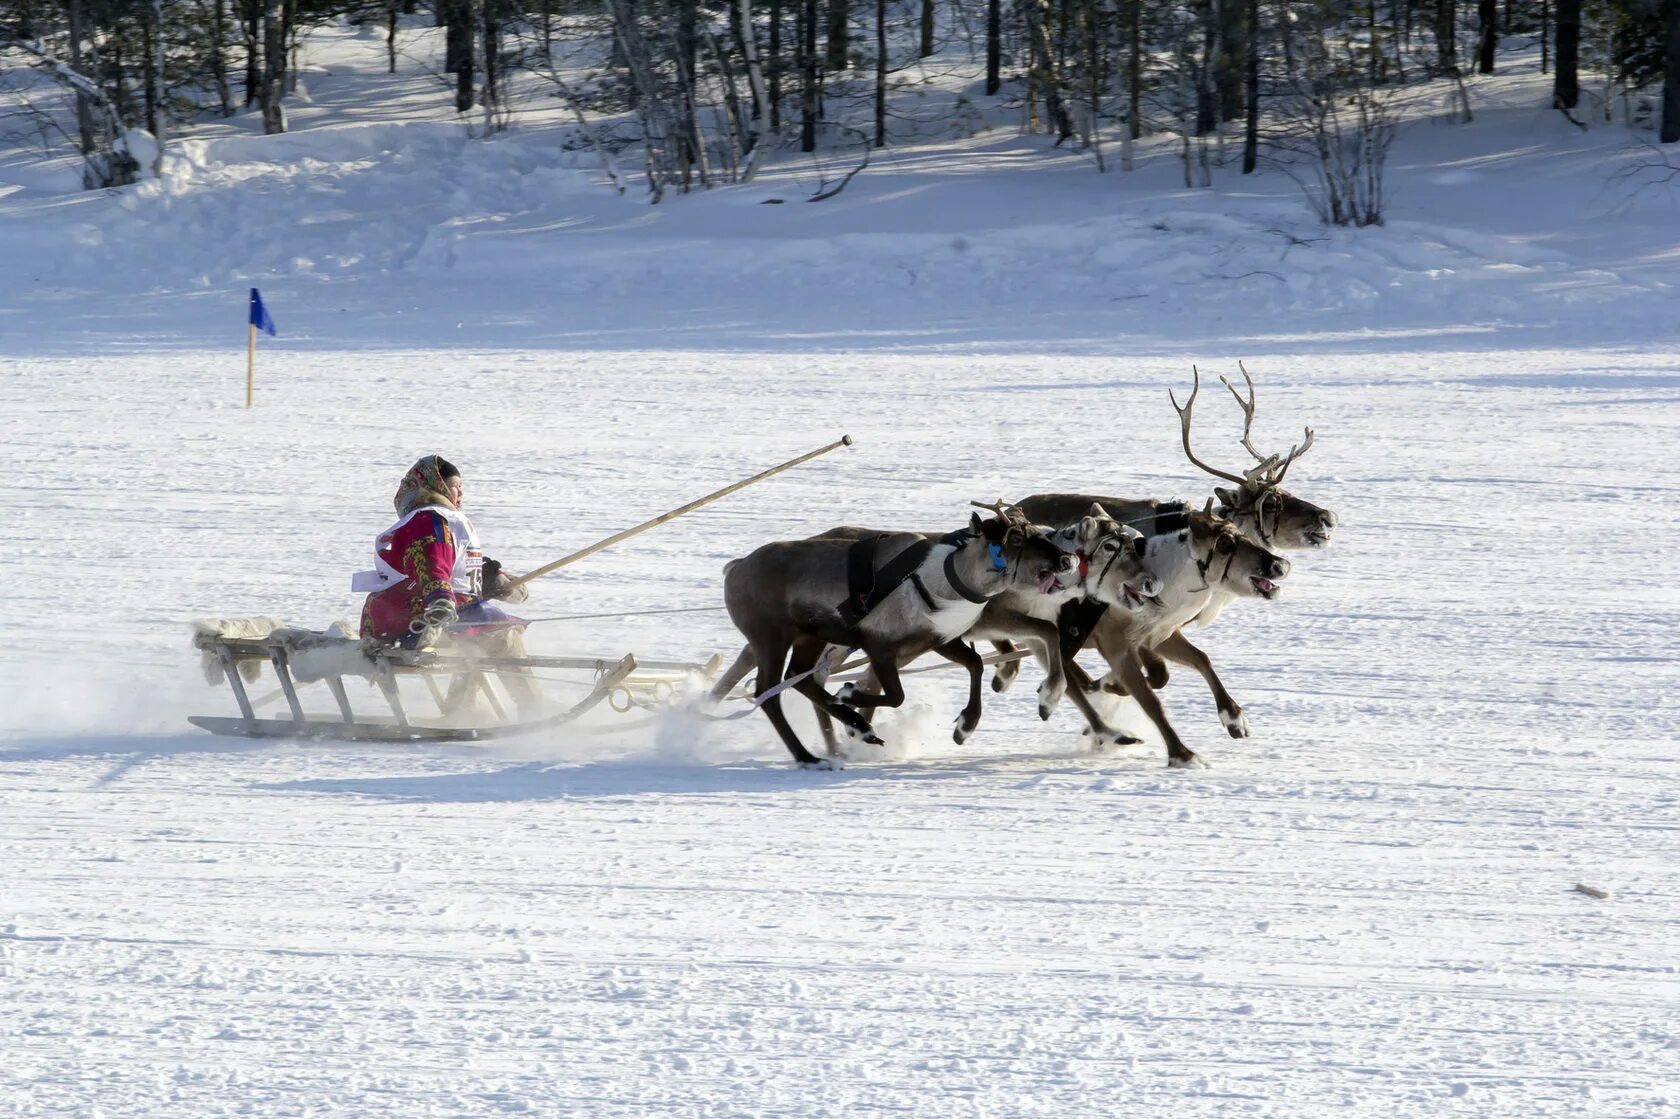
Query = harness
x=867 y=588
x=1078 y=618
x=1256 y=509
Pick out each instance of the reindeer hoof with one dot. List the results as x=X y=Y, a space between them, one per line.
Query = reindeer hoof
x=1236 y=725
x=823 y=763
x=846 y=692
x=1189 y=761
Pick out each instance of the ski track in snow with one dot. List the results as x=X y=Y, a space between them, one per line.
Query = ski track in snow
x=1366 y=909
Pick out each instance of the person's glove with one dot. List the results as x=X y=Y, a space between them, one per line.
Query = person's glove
x=429 y=628
x=495 y=584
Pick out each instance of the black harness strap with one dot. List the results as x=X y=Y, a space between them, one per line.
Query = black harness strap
x=951 y=575
x=1076 y=621
x=1168 y=517
x=867 y=587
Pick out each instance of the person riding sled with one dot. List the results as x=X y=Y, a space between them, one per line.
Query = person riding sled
x=432 y=586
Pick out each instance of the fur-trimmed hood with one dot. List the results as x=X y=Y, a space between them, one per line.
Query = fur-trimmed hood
x=424 y=485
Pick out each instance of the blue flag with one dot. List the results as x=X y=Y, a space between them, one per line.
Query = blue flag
x=259 y=314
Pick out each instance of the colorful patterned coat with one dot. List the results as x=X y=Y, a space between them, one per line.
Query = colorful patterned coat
x=434 y=551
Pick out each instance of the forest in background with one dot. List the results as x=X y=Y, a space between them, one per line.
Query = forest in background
x=698 y=92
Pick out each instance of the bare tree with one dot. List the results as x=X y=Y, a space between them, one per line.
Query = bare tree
x=106 y=157
x=1670 y=132
x=1566 y=83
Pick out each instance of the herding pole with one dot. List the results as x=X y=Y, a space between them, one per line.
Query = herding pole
x=843 y=441
x=250 y=364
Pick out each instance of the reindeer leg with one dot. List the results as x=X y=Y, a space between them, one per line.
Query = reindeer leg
x=1006 y=672
x=726 y=683
x=960 y=652
x=1045 y=640
x=1179 y=756
x=805 y=655
x=1153 y=666
x=885 y=667
x=1178 y=649
x=771 y=656
x=1083 y=687
x=827 y=704
x=1080 y=693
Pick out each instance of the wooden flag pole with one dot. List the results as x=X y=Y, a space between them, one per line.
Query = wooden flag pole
x=843 y=441
x=250 y=364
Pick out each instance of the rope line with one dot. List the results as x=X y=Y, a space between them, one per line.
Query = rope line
x=628 y=614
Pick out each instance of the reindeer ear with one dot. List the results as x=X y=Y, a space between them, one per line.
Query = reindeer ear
x=1227 y=498
x=976 y=525
x=1097 y=510
x=1209 y=508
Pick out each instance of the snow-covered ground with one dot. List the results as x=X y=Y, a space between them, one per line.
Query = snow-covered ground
x=1462 y=710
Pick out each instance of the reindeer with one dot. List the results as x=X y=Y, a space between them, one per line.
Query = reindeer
x=1109 y=556
x=1198 y=556
x=792 y=599
x=1258 y=505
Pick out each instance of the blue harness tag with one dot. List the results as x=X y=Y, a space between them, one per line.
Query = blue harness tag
x=996 y=552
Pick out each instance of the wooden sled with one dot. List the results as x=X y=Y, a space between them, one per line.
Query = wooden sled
x=624 y=684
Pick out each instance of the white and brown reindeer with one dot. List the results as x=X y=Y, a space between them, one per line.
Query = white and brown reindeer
x=1198 y=557
x=1256 y=502
x=894 y=597
x=1109 y=566
x=1111 y=572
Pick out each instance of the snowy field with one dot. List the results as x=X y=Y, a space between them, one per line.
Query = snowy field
x=1461 y=710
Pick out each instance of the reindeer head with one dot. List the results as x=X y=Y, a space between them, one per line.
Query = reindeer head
x=1229 y=560
x=1257 y=502
x=1021 y=553
x=1110 y=556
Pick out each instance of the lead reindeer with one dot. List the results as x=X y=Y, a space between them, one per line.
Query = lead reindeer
x=1198 y=556
x=793 y=599
x=1256 y=502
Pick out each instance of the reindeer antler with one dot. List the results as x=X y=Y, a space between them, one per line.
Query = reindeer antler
x=1269 y=469
x=1265 y=462
x=1008 y=512
x=1294 y=453
x=1184 y=427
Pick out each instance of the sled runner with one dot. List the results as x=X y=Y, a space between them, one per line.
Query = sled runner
x=237 y=652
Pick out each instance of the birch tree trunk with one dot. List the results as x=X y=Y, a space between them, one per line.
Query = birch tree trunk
x=880 y=73
x=755 y=80
x=218 y=56
x=84 y=107
x=273 y=69
x=1671 y=74
x=1251 y=83
x=158 y=90
x=774 y=77
x=994 y=46
x=808 y=75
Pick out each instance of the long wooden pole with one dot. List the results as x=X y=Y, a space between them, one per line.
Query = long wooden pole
x=843 y=441
x=250 y=364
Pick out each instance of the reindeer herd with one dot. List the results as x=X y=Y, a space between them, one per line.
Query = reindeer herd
x=1055 y=573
